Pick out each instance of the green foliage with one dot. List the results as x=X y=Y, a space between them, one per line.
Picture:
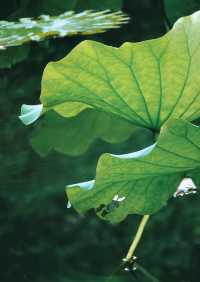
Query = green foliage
x=73 y=136
x=145 y=179
x=26 y=8
x=136 y=82
x=149 y=84
x=39 y=237
x=69 y=23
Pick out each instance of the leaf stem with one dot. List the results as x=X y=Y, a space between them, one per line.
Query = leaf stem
x=137 y=237
x=131 y=252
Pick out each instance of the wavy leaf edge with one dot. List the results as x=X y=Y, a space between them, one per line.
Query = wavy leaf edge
x=88 y=186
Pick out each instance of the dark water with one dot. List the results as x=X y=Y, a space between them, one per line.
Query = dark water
x=40 y=239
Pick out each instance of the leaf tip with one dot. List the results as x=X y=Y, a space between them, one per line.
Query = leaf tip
x=30 y=113
x=87 y=185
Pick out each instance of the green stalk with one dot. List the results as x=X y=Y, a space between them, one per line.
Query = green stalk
x=137 y=237
x=131 y=252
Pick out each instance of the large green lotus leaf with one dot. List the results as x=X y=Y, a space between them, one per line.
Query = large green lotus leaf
x=145 y=180
x=69 y=23
x=73 y=136
x=146 y=83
